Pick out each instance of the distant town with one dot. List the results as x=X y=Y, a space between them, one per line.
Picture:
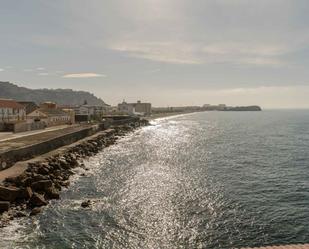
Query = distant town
x=20 y=116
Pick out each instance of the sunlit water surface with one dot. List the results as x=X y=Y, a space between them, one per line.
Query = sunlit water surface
x=204 y=180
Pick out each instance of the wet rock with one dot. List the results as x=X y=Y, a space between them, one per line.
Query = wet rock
x=20 y=214
x=42 y=186
x=52 y=193
x=37 y=200
x=35 y=211
x=65 y=184
x=9 y=193
x=57 y=185
x=85 y=204
x=4 y=206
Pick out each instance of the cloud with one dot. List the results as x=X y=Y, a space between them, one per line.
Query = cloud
x=40 y=68
x=167 y=52
x=28 y=70
x=43 y=74
x=240 y=53
x=83 y=75
x=1 y=69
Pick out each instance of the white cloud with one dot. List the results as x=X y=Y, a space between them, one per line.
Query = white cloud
x=168 y=52
x=1 y=69
x=40 y=68
x=43 y=74
x=28 y=70
x=83 y=75
x=240 y=53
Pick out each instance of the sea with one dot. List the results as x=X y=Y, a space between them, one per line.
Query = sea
x=200 y=180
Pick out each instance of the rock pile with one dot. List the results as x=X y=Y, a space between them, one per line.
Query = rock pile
x=27 y=193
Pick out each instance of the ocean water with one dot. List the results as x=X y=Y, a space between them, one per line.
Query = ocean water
x=203 y=180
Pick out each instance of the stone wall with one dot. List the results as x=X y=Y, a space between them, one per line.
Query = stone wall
x=22 y=127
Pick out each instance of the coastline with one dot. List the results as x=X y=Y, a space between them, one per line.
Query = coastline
x=29 y=185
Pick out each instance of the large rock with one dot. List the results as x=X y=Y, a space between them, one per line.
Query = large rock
x=37 y=200
x=25 y=193
x=4 y=206
x=85 y=204
x=52 y=193
x=35 y=211
x=42 y=186
x=9 y=193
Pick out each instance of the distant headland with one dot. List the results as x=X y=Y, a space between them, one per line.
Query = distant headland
x=223 y=107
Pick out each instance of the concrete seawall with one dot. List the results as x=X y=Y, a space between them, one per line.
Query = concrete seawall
x=22 y=149
x=8 y=158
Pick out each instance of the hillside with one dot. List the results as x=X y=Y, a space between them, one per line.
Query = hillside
x=60 y=96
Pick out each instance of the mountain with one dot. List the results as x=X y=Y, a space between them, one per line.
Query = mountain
x=60 y=96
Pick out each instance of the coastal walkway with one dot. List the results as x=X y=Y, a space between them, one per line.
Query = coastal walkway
x=19 y=167
x=305 y=246
x=27 y=147
x=10 y=144
x=5 y=136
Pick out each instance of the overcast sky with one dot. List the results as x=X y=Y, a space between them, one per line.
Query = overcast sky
x=168 y=52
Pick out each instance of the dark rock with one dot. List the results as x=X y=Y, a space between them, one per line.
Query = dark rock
x=52 y=193
x=85 y=204
x=65 y=184
x=8 y=193
x=37 y=200
x=43 y=170
x=35 y=211
x=57 y=185
x=20 y=214
x=36 y=177
x=25 y=193
x=4 y=206
x=27 y=182
x=42 y=185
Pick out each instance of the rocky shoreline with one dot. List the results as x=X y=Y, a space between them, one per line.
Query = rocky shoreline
x=42 y=181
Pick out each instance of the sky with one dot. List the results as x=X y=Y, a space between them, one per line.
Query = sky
x=167 y=52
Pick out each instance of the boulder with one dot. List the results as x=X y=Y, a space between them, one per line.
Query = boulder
x=35 y=211
x=85 y=204
x=4 y=206
x=25 y=193
x=20 y=214
x=43 y=170
x=42 y=185
x=52 y=193
x=65 y=184
x=37 y=200
x=9 y=193
x=17 y=181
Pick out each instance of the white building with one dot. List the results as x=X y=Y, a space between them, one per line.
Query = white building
x=126 y=108
x=51 y=115
x=137 y=108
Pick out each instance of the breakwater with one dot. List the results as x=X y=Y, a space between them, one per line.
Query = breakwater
x=43 y=179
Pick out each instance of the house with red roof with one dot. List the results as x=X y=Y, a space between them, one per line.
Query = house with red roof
x=11 y=111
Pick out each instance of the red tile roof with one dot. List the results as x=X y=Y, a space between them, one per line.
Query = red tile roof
x=9 y=103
